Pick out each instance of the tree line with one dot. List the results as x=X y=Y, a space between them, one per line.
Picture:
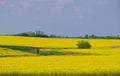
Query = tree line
x=100 y=37
x=42 y=34
x=35 y=34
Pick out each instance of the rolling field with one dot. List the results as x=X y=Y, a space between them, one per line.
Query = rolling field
x=61 y=57
x=55 y=42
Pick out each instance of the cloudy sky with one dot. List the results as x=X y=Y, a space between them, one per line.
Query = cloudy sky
x=60 y=17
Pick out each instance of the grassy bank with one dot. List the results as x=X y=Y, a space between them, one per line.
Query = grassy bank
x=61 y=74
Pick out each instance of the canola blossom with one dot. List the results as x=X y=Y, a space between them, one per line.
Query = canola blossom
x=102 y=58
x=55 y=42
x=61 y=64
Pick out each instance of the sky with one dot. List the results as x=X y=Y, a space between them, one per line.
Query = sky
x=61 y=17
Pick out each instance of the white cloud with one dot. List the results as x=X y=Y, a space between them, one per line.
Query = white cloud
x=40 y=0
x=58 y=9
x=2 y=2
x=76 y=10
x=25 y=3
x=65 y=1
x=101 y=2
x=12 y=5
x=81 y=12
x=30 y=3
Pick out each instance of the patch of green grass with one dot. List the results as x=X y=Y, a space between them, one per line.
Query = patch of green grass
x=43 y=52
x=17 y=55
x=46 y=53
x=21 y=48
x=61 y=74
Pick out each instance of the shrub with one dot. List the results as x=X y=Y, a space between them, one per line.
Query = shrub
x=83 y=45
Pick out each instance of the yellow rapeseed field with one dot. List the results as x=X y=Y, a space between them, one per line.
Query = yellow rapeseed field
x=55 y=42
x=9 y=52
x=100 y=59
x=60 y=64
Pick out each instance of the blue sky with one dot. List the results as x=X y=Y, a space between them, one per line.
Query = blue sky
x=60 y=17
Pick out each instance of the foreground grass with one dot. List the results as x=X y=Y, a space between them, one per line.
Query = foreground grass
x=61 y=74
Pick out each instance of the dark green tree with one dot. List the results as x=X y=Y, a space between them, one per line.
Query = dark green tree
x=84 y=45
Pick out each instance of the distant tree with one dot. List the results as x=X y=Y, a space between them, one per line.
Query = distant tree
x=86 y=36
x=31 y=34
x=23 y=34
x=39 y=33
x=52 y=36
x=83 y=45
x=93 y=36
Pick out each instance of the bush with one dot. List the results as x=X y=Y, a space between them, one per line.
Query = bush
x=84 y=45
